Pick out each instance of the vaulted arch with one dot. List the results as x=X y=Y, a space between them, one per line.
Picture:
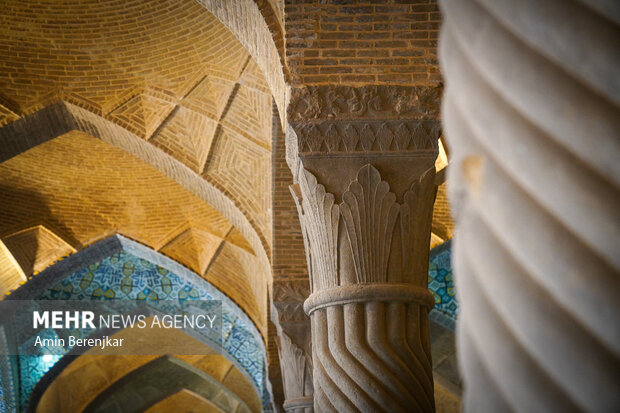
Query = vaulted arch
x=90 y=189
x=62 y=118
x=97 y=271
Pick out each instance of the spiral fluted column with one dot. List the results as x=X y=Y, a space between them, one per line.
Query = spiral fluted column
x=532 y=114
x=369 y=303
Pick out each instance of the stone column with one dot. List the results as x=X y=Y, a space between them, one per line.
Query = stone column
x=532 y=115
x=365 y=187
x=294 y=344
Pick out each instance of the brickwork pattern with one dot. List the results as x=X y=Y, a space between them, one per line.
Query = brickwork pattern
x=362 y=42
x=36 y=248
x=105 y=60
x=90 y=189
x=11 y=274
x=244 y=19
x=174 y=76
x=62 y=118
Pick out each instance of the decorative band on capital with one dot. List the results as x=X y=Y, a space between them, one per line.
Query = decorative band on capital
x=362 y=293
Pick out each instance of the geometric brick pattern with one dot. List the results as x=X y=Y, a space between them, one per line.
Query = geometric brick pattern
x=170 y=72
x=187 y=136
x=194 y=247
x=240 y=166
x=236 y=270
x=36 y=248
x=246 y=19
x=90 y=189
x=105 y=52
x=142 y=114
x=250 y=116
x=443 y=225
x=11 y=274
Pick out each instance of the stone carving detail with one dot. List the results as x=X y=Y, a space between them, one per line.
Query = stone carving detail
x=371 y=347
x=369 y=210
x=536 y=256
x=297 y=376
x=290 y=290
x=319 y=217
x=416 y=221
x=367 y=102
x=368 y=136
x=288 y=298
x=334 y=119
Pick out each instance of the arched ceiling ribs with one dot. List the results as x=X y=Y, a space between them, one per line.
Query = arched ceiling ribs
x=257 y=39
x=184 y=401
x=273 y=13
x=89 y=190
x=59 y=389
x=168 y=375
x=62 y=117
x=184 y=83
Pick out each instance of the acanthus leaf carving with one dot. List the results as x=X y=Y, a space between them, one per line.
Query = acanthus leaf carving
x=351 y=137
x=319 y=217
x=314 y=138
x=332 y=138
x=290 y=291
x=385 y=136
x=291 y=312
x=296 y=368
x=403 y=136
x=369 y=210
x=416 y=220
x=368 y=136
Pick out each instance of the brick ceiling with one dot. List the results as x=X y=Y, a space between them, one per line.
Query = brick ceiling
x=74 y=190
x=166 y=70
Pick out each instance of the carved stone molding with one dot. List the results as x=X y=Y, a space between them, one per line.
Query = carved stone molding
x=366 y=102
x=346 y=119
x=288 y=299
x=369 y=303
x=368 y=136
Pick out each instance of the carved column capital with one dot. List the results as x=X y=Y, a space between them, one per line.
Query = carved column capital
x=332 y=120
x=364 y=189
x=370 y=236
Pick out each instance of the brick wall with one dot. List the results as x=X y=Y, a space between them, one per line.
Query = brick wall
x=288 y=259
x=357 y=41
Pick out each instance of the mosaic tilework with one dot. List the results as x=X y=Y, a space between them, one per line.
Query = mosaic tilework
x=134 y=272
x=31 y=369
x=7 y=385
x=441 y=284
x=2 y=396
